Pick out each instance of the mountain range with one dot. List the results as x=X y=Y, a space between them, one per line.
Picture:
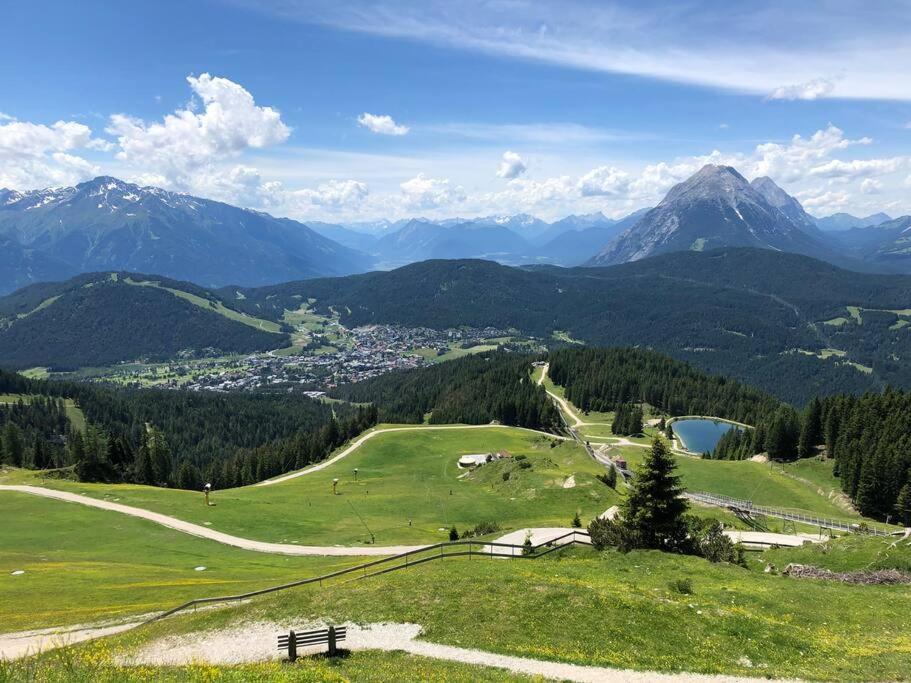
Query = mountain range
x=107 y=224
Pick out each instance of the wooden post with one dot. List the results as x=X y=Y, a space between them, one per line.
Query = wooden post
x=292 y=647
x=332 y=641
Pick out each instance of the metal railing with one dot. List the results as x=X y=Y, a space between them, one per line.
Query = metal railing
x=412 y=558
x=749 y=508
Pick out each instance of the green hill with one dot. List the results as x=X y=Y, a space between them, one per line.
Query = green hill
x=106 y=318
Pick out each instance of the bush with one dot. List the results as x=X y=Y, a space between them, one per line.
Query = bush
x=682 y=586
x=453 y=534
x=481 y=529
x=506 y=476
x=577 y=521
x=524 y=465
x=527 y=547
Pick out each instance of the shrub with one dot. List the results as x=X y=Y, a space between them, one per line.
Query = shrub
x=481 y=529
x=453 y=534
x=527 y=547
x=682 y=586
x=577 y=521
x=525 y=465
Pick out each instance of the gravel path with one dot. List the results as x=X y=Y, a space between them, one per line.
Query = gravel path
x=256 y=642
x=15 y=645
x=765 y=538
x=211 y=534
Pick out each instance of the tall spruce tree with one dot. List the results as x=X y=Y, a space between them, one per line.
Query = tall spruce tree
x=903 y=504
x=654 y=508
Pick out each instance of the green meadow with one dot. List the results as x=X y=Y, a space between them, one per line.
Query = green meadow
x=84 y=565
x=409 y=489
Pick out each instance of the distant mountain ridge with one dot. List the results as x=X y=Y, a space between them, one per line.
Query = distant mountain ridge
x=845 y=221
x=717 y=207
x=107 y=224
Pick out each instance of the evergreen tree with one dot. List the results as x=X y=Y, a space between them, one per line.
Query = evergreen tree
x=654 y=508
x=811 y=429
x=903 y=505
x=188 y=477
x=13 y=450
x=143 y=471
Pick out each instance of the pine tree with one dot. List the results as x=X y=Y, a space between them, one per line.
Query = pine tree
x=903 y=504
x=188 y=477
x=143 y=472
x=655 y=506
x=13 y=450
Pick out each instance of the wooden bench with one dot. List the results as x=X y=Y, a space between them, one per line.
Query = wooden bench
x=330 y=636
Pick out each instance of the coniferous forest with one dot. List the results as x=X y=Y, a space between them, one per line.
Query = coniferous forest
x=475 y=390
x=171 y=438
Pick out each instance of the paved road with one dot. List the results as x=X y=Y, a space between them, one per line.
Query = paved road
x=211 y=534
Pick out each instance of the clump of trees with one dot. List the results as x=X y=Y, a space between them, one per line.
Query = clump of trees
x=653 y=516
x=627 y=420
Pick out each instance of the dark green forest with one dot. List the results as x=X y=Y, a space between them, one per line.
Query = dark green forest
x=104 y=321
x=173 y=438
x=473 y=390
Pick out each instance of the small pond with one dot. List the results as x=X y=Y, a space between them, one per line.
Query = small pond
x=699 y=435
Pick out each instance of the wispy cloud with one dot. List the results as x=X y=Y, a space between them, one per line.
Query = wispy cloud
x=795 y=50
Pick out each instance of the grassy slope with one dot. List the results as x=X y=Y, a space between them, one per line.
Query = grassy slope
x=617 y=610
x=95 y=663
x=83 y=564
x=402 y=476
x=847 y=553
x=218 y=307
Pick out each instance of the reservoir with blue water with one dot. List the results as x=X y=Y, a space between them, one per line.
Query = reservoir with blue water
x=700 y=435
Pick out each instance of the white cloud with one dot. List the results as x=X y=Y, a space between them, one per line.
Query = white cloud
x=6 y=117
x=334 y=195
x=35 y=155
x=789 y=162
x=858 y=167
x=871 y=186
x=511 y=166
x=811 y=90
x=381 y=124
x=186 y=148
x=823 y=202
x=753 y=48
x=422 y=192
x=604 y=181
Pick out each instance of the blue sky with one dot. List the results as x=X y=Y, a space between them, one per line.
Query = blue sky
x=348 y=110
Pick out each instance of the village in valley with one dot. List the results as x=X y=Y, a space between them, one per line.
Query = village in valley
x=323 y=357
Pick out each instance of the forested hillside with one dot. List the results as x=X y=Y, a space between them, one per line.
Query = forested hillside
x=106 y=318
x=474 y=390
x=604 y=379
x=173 y=438
x=784 y=323
x=870 y=438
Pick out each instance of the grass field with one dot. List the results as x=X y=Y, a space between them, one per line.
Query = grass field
x=82 y=565
x=408 y=491
x=615 y=610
